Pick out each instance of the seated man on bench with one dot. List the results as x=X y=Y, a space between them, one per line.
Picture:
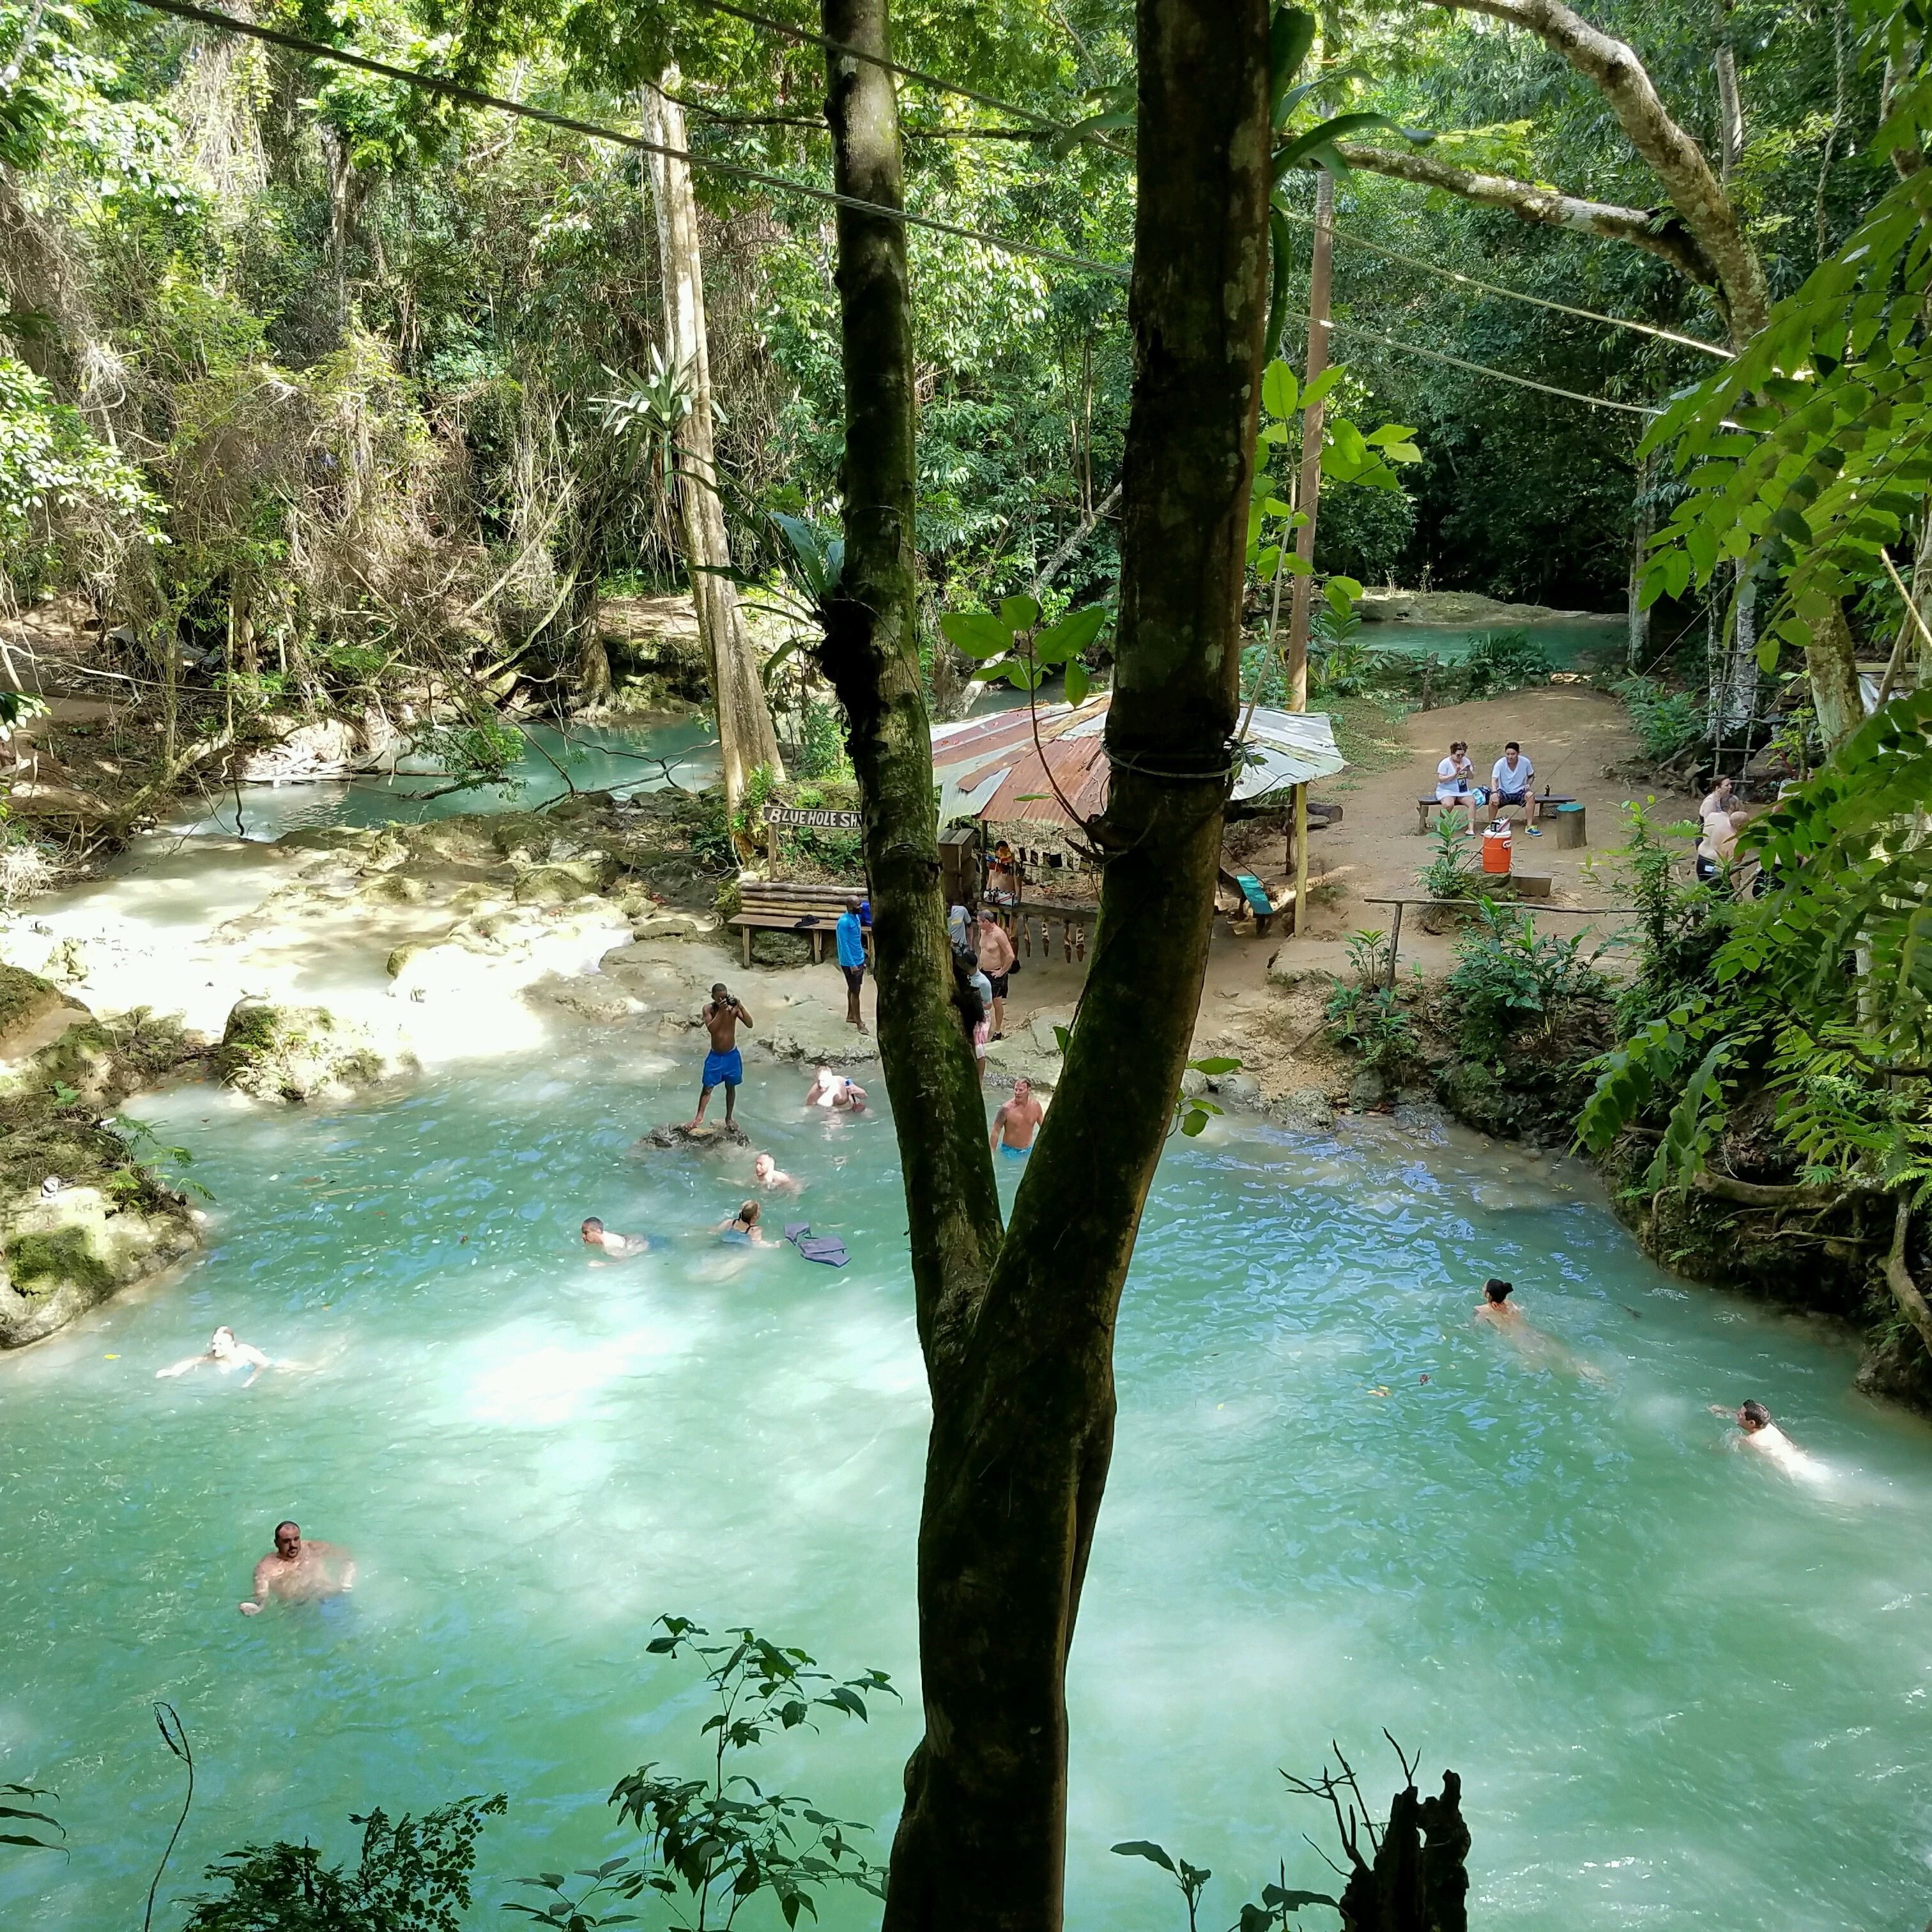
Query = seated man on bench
x=1510 y=786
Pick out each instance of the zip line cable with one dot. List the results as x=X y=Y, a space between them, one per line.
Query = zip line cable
x=806 y=38
x=1484 y=369
x=1514 y=295
x=475 y=97
x=453 y=90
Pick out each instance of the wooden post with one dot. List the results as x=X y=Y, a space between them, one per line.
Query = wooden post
x=1395 y=942
x=1300 y=851
x=772 y=847
x=1307 y=496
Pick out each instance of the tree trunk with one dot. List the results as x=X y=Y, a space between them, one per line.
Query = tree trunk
x=1308 y=496
x=348 y=189
x=1637 y=655
x=746 y=738
x=1730 y=104
x=1829 y=658
x=1018 y=1336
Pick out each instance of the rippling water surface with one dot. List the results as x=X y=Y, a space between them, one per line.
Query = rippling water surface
x=1680 y=1689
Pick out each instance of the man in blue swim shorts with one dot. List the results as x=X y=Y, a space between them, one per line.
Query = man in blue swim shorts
x=724 y=1066
x=1015 y=1125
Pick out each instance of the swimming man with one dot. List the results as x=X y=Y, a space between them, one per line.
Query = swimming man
x=1761 y=1433
x=225 y=1353
x=299 y=1572
x=834 y=1090
x=1016 y=1123
x=618 y=1247
x=767 y=1173
x=724 y=1065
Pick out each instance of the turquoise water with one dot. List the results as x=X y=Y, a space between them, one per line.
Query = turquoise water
x=1681 y=1689
x=596 y=758
x=1566 y=643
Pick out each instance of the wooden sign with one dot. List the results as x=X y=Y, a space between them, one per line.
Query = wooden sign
x=818 y=820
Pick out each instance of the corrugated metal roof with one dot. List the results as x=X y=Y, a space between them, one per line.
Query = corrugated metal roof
x=988 y=767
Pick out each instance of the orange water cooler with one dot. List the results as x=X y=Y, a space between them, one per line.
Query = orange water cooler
x=1496 y=850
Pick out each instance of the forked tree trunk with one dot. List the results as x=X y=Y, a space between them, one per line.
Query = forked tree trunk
x=1017 y=1335
x=746 y=738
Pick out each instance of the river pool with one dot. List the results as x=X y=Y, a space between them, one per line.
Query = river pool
x=620 y=758
x=1681 y=1688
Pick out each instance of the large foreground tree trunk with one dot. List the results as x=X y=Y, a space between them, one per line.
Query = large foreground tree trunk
x=1831 y=662
x=746 y=737
x=1017 y=1335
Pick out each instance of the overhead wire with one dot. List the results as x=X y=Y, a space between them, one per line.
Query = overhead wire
x=474 y=96
x=1513 y=295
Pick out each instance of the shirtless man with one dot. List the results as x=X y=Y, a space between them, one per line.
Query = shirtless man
x=767 y=1173
x=996 y=962
x=1015 y=1125
x=608 y=1240
x=724 y=1065
x=1764 y=1436
x=225 y=1353
x=299 y=1572
x=834 y=1090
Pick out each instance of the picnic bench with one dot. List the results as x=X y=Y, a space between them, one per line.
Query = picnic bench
x=1544 y=800
x=774 y=905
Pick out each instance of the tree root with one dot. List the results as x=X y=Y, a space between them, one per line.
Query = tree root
x=1906 y=1290
x=1751 y=1194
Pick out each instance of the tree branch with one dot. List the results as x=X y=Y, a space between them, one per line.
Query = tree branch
x=1675 y=158
x=1753 y=1194
x=1657 y=232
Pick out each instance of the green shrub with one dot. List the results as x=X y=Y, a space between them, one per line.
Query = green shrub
x=1667 y=723
x=1505 y=661
x=1367 y=1017
x=1507 y=975
x=1451 y=872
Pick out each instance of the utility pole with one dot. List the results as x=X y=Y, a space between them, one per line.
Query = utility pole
x=1307 y=496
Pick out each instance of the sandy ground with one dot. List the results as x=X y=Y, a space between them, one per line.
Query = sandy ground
x=189 y=926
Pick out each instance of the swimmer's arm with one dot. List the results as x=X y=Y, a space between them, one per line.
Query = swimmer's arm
x=251 y=1606
x=180 y=1368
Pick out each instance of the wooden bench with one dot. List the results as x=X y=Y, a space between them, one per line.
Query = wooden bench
x=771 y=905
x=1423 y=806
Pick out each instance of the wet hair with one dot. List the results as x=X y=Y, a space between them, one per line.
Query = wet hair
x=1756 y=1412
x=1512 y=746
x=1498 y=1291
x=748 y=1213
x=593 y=1222
x=285 y=1524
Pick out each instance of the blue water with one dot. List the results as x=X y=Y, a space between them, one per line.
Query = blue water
x=593 y=757
x=1681 y=1689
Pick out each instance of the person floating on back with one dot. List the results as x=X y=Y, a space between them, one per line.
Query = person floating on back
x=608 y=1240
x=1511 y=779
x=299 y=1572
x=1016 y=1123
x=833 y=1090
x=850 y=936
x=743 y=1228
x=1538 y=1350
x=724 y=1065
x=226 y=1353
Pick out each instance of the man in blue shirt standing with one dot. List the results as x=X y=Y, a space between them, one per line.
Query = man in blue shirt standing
x=851 y=938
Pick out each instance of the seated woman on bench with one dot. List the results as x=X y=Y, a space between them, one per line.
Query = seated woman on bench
x=1456 y=782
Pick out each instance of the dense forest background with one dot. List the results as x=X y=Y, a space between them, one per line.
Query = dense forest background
x=328 y=379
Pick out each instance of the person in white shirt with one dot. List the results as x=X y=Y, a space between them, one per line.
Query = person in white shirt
x=1511 y=780
x=1456 y=782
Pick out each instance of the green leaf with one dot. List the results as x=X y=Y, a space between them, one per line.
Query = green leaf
x=978 y=633
x=1072 y=634
x=1280 y=390
x=1079 y=682
x=1291 y=35
x=1213 y=1068
x=1318 y=391
x=1019 y=614
x=1193 y=1125
x=1145 y=1848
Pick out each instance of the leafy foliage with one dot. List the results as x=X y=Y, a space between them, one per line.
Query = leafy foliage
x=1508 y=976
x=1667 y=723
x=1279 y=1903
x=1451 y=872
x=721 y=1839
x=1500 y=660
x=1367 y=1016
x=413 y=1876
x=15 y=1802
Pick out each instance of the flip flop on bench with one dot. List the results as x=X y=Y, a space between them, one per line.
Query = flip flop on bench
x=826 y=1248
